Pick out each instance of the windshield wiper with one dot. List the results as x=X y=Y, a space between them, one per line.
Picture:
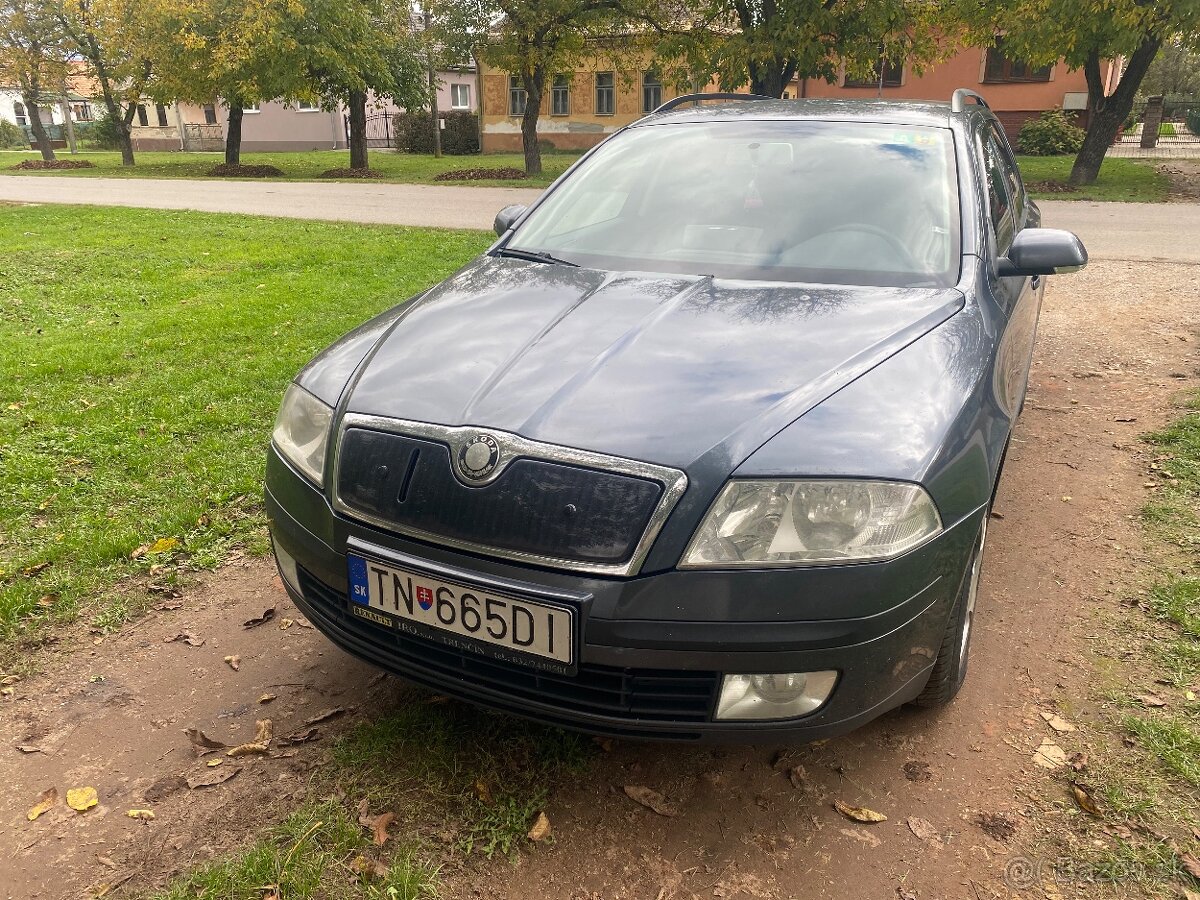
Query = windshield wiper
x=534 y=256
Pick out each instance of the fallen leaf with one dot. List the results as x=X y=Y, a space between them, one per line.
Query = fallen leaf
x=650 y=799
x=9 y=679
x=1083 y=796
x=369 y=868
x=1190 y=864
x=1059 y=724
x=29 y=748
x=267 y=615
x=858 y=813
x=540 y=829
x=234 y=662
x=1151 y=700
x=48 y=798
x=604 y=743
x=300 y=737
x=200 y=739
x=186 y=637
x=1079 y=761
x=163 y=545
x=266 y=698
x=304 y=623
x=483 y=791
x=379 y=827
x=212 y=777
x=248 y=749
x=33 y=571
x=285 y=624
x=215 y=762
x=924 y=829
x=325 y=716
x=82 y=799
x=798 y=777
x=263 y=730
x=140 y=813
x=863 y=836
x=1049 y=755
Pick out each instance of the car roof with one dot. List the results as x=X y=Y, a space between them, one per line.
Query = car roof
x=891 y=112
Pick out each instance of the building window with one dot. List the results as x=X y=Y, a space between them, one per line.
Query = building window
x=560 y=96
x=161 y=112
x=250 y=108
x=307 y=106
x=81 y=112
x=142 y=118
x=516 y=96
x=892 y=75
x=651 y=92
x=605 y=94
x=1000 y=68
x=460 y=96
x=210 y=115
x=19 y=113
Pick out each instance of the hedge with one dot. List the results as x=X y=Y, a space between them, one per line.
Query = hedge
x=460 y=132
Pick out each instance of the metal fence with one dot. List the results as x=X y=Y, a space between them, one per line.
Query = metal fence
x=1161 y=128
x=381 y=131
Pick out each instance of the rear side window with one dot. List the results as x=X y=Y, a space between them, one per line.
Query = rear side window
x=999 y=202
x=1012 y=175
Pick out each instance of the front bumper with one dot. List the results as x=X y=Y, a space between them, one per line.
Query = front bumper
x=653 y=647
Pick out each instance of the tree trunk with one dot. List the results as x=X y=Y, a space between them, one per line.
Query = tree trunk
x=358 y=129
x=771 y=80
x=39 y=130
x=233 y=136
x=125 y=135
x=1109 y=113
x=534 y=83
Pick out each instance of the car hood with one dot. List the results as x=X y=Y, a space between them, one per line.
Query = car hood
x=661 y=368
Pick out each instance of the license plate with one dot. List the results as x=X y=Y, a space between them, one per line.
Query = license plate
x=461 y=615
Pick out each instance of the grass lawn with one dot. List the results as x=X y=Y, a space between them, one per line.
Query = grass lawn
x=145 y=354
x=1120 y=179
x=408 y=168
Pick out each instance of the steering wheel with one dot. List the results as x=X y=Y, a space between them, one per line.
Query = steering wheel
x=886 y=236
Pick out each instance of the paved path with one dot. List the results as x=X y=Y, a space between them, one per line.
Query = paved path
x=1135 y=231
x=391 y=204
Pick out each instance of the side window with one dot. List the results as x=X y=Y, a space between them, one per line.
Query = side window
x=1012 y=174
x=996 y=181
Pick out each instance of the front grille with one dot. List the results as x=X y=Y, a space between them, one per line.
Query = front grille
x=535 y=506
x=639 y=694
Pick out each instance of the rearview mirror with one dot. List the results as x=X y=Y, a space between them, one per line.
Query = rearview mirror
x=1044 y=251
x=506 y=217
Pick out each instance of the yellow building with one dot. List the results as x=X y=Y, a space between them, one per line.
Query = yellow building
x=579 y=108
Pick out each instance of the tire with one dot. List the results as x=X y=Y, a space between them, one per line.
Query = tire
x=950 y=668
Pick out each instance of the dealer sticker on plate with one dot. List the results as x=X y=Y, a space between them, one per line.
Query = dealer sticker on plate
x=393 y=596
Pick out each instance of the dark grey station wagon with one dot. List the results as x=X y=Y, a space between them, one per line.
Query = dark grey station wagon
x=704 y=445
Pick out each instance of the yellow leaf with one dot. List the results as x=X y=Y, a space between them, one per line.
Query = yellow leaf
x=858 y=813
x=163 y=545
x=1084 y=798
x=541 y=828
x=82 y=799
x=48 y=799
x=140 y=813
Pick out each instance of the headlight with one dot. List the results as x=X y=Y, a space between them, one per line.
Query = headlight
x=302 y=431
x=805 y=523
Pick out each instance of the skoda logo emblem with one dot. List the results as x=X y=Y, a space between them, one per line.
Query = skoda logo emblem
x=479 y=456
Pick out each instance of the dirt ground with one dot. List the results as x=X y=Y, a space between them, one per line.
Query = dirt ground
x=1117 y=344
x=1185 y=179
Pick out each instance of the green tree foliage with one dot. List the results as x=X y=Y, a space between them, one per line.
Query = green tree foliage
x=1086 y=34
x=111 y=37
x=33 y=58
x=533 y=40
x=766 y=43
x=11 y=137
x=1175 y=71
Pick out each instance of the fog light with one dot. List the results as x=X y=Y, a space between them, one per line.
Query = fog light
x=287 y=567
x=774 y=696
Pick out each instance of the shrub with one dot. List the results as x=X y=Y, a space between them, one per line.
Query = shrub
x=1192 y=118
x=1051 y=134
x=12 y=137
x=460 y=136
x=103 y=135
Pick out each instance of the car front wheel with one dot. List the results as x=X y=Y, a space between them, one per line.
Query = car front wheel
x=950 y=669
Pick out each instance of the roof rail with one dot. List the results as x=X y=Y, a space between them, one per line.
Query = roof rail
x=958 y=101
x=696 y=98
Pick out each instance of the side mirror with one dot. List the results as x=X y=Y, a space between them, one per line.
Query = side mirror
x=506 y=217
x=1044 y=251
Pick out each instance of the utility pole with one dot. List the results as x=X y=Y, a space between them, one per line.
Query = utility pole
x=433 y=107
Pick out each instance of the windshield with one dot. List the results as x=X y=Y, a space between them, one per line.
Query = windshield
x=824 y=202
